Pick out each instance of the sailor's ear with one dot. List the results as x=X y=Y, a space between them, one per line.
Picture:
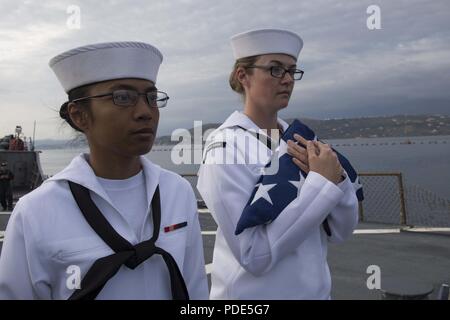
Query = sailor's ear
x=78 y=115
x=242 y=76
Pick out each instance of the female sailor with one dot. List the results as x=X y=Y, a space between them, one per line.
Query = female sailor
x=111 y=225
x=285 y=256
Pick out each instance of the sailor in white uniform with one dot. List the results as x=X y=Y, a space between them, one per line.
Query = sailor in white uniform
x=286 y=258
x=111 y=225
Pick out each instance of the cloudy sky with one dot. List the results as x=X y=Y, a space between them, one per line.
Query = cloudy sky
x=350 y=71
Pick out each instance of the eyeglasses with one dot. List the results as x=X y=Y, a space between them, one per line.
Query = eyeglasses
x=280 y=72
x=129 y=98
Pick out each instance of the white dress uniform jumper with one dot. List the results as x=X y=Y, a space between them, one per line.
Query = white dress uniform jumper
x=70 y=221
x=285 y=259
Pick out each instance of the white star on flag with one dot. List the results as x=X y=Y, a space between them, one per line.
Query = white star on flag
x=263 y=192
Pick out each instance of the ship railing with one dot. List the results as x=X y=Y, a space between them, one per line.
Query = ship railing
x=388 y=200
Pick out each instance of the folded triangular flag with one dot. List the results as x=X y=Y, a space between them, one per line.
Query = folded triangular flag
x=273 y=193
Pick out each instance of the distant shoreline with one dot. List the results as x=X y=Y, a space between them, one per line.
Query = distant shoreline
x=358 y=141
x=406 y=127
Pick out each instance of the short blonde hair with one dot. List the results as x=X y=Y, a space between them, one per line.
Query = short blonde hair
x=242 y=62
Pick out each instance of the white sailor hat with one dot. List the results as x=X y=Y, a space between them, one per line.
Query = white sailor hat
x=266 y=41
x=106 y=61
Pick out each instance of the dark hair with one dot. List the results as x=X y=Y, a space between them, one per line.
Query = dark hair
x=75 y=93
x=243 y=62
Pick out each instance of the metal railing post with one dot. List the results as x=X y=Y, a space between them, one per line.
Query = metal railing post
x=402 y=200
x=361 y=211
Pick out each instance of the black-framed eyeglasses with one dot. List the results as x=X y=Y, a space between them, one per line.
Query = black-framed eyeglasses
x=280 y=72
x=129 y=98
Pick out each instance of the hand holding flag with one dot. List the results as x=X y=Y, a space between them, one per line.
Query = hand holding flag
x=273 y=193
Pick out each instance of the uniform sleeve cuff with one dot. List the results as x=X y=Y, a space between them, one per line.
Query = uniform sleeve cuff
x=320 y=182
